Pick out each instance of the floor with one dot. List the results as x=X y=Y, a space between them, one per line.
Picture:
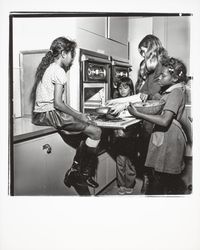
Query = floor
x=112 y=189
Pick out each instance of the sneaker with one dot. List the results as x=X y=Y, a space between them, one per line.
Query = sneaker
x=129 y=190
x=121 y=190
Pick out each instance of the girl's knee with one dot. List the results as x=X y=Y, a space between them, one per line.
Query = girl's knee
x=93 y=132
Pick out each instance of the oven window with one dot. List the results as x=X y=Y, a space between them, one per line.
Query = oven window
x=95 y=72
x=92 y=94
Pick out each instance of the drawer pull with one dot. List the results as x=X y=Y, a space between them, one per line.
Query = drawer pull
x=47 y=147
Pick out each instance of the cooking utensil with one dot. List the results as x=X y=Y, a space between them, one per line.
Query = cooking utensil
x=152 y=107
x=102 y=110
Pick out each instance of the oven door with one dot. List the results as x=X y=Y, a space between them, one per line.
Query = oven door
x=95 y=72
x=94 y=96
x=119 y=72
x=119 y=69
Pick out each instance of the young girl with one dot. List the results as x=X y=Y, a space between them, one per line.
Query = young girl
x=167 y=142
x=151 y=49
x=51 y=110
x=153 y=53
x=124 y=146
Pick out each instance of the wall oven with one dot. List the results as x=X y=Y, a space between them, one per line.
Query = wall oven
x=118 y=69
x=94 y=80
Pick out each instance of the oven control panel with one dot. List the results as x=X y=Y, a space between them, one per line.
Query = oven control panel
x=95 y=72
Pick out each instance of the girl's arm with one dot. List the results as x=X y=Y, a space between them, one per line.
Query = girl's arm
x=60 y=105
x=162 y=120
x=119 y=104
x=132 y=98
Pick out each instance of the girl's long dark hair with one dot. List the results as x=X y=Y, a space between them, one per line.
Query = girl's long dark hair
x=58 y=45
x=155 y=53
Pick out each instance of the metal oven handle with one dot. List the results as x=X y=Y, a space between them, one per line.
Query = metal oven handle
x=94 y=59
x=123 y=64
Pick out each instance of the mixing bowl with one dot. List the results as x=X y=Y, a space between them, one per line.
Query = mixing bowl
x=152 y=107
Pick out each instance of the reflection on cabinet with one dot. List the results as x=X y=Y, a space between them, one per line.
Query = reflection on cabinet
x=118 y=29
x=97 y=25
x=40 y=165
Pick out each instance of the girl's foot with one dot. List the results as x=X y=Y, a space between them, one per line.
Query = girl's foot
x=121 y=190
x=129 y=190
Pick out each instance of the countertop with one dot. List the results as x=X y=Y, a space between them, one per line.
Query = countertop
x=23 y=128
x=126 y=122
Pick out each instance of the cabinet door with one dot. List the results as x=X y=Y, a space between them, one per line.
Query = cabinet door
x=118 y=29
x=111 y=169
x=57 y=162
x=29 y=168
x=101 y=172
x=174 y=33
x=95 y=25
x=40 y=166
x=106 y=171
x=178 y=39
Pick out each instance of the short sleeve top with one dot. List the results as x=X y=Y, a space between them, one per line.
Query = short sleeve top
x=54 y=74
x=175 y=101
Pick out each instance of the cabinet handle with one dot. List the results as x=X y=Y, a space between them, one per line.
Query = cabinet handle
x=48 y=148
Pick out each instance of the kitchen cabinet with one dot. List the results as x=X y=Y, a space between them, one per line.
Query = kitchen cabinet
x=40 y=165
x=174 y=33
x=106 y=171
x=118 y=29
x=96 y=25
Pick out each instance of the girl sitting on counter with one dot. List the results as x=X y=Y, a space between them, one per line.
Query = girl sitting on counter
x=168 y=140
x=50 y=110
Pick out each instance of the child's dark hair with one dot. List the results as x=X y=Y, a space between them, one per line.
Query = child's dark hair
x=58 y=45
x=177 y=69
x=125 y=81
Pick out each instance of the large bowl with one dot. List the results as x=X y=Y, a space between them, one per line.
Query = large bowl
x=151 y=107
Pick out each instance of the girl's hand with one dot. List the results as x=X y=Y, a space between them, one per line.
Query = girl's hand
x=143 y=97
x=157 y=96
x=117 y=108
x=86 y=118
x=132 y=110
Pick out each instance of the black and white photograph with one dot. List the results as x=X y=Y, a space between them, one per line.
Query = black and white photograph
x=92 y=111
x=99 y=125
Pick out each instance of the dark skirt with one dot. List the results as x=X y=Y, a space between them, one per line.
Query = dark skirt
x=59 y=120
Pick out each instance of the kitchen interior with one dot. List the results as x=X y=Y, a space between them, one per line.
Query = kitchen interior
x=107 y=49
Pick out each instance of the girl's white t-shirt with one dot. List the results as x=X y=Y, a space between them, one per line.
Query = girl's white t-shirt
x=54 y=74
